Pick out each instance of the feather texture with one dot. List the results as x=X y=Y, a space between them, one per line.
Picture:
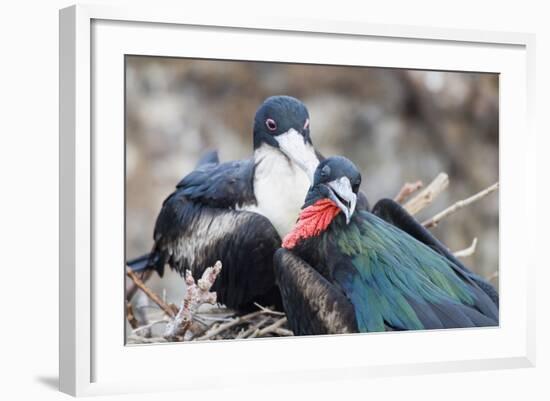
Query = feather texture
x=189 y=235
x=225 y=185
x=394 y=213
x=305 y=292
x=393 y=279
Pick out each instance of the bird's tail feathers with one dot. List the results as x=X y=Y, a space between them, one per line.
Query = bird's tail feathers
x=146 y=262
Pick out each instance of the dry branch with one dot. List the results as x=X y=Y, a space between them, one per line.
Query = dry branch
x=271 y=328
x=131 y=287
x=149 y=325
x=283 y=332
x=131 y=317
x=434 y=221
x=427 y=196
x=467 y=251
x=196 y=295
x=268 y=311
x=220 y=328
x=407 y=190
x=256 y=324
x=154 y=297
x=261 y=324
x=254 y=329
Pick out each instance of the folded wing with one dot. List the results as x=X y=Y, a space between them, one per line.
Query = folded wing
x=312 y=304
x=199 y=224
x=394 y=213
x=394 y=280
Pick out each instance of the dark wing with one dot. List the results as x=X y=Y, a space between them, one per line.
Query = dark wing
x=394 y=280
x=394 y=213
x=190 y=235
x=198 y=225
x=312 y=304
x=225 y=185
x=144 y=262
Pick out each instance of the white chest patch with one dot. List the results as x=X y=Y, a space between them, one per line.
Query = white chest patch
x=280 y=187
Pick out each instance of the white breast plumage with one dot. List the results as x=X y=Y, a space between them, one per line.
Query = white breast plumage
x=280 y=187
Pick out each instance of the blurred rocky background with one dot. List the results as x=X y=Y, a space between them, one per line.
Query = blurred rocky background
x=396 y=125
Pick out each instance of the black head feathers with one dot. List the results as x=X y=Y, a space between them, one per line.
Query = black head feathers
x=277 y=115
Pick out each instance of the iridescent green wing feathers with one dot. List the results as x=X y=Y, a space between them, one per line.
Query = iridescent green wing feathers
x=396 y=282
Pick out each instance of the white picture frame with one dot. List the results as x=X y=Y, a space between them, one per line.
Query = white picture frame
x=93 y=40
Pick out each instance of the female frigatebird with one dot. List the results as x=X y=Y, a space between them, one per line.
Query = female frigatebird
x=238 y=211
x=343 y=270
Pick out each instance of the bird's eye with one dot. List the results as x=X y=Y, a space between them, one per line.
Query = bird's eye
x=306 y=124
x=271 y=124
x=325 y=171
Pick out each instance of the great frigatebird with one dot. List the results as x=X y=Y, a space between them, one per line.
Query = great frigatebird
x=238 y=211
x=344 y=270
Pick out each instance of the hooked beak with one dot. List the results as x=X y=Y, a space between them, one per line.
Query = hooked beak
x=340 y=192
x=293 y=145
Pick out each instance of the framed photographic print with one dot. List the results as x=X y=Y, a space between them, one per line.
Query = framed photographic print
x=269 y=189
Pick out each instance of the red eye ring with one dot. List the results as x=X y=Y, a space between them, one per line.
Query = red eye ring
x=271 y=124
x=306 y=124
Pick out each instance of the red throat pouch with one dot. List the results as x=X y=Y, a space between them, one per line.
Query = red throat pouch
x=312 y=221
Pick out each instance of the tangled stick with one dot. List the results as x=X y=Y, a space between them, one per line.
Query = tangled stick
x=273 y=327
x=131 y=286
x=154 y=297
x=196 y=295
x=427 y=196
x=255 y=324
x=217 y=329
x=432 y=191
x=268 y=311
x=131 y=317
x=434 y=221
x=185 y=322
x=407 y=190
x=468 y=251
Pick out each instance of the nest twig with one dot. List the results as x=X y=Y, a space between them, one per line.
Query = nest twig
x=154 y=297
x=407 y=190
x=467 y=251
x=428 y=194
x=434 y=221
x=196 y=295
x=188 y=324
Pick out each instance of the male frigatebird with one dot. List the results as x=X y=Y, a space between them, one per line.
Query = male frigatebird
x=343 y=270
x=238 y=211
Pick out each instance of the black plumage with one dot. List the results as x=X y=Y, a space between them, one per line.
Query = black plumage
x=198 y=225
x=395 y=214
x=189 y=235
x=339 y=258
x=223 y=211
x=313 y=305
x=226 y=185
